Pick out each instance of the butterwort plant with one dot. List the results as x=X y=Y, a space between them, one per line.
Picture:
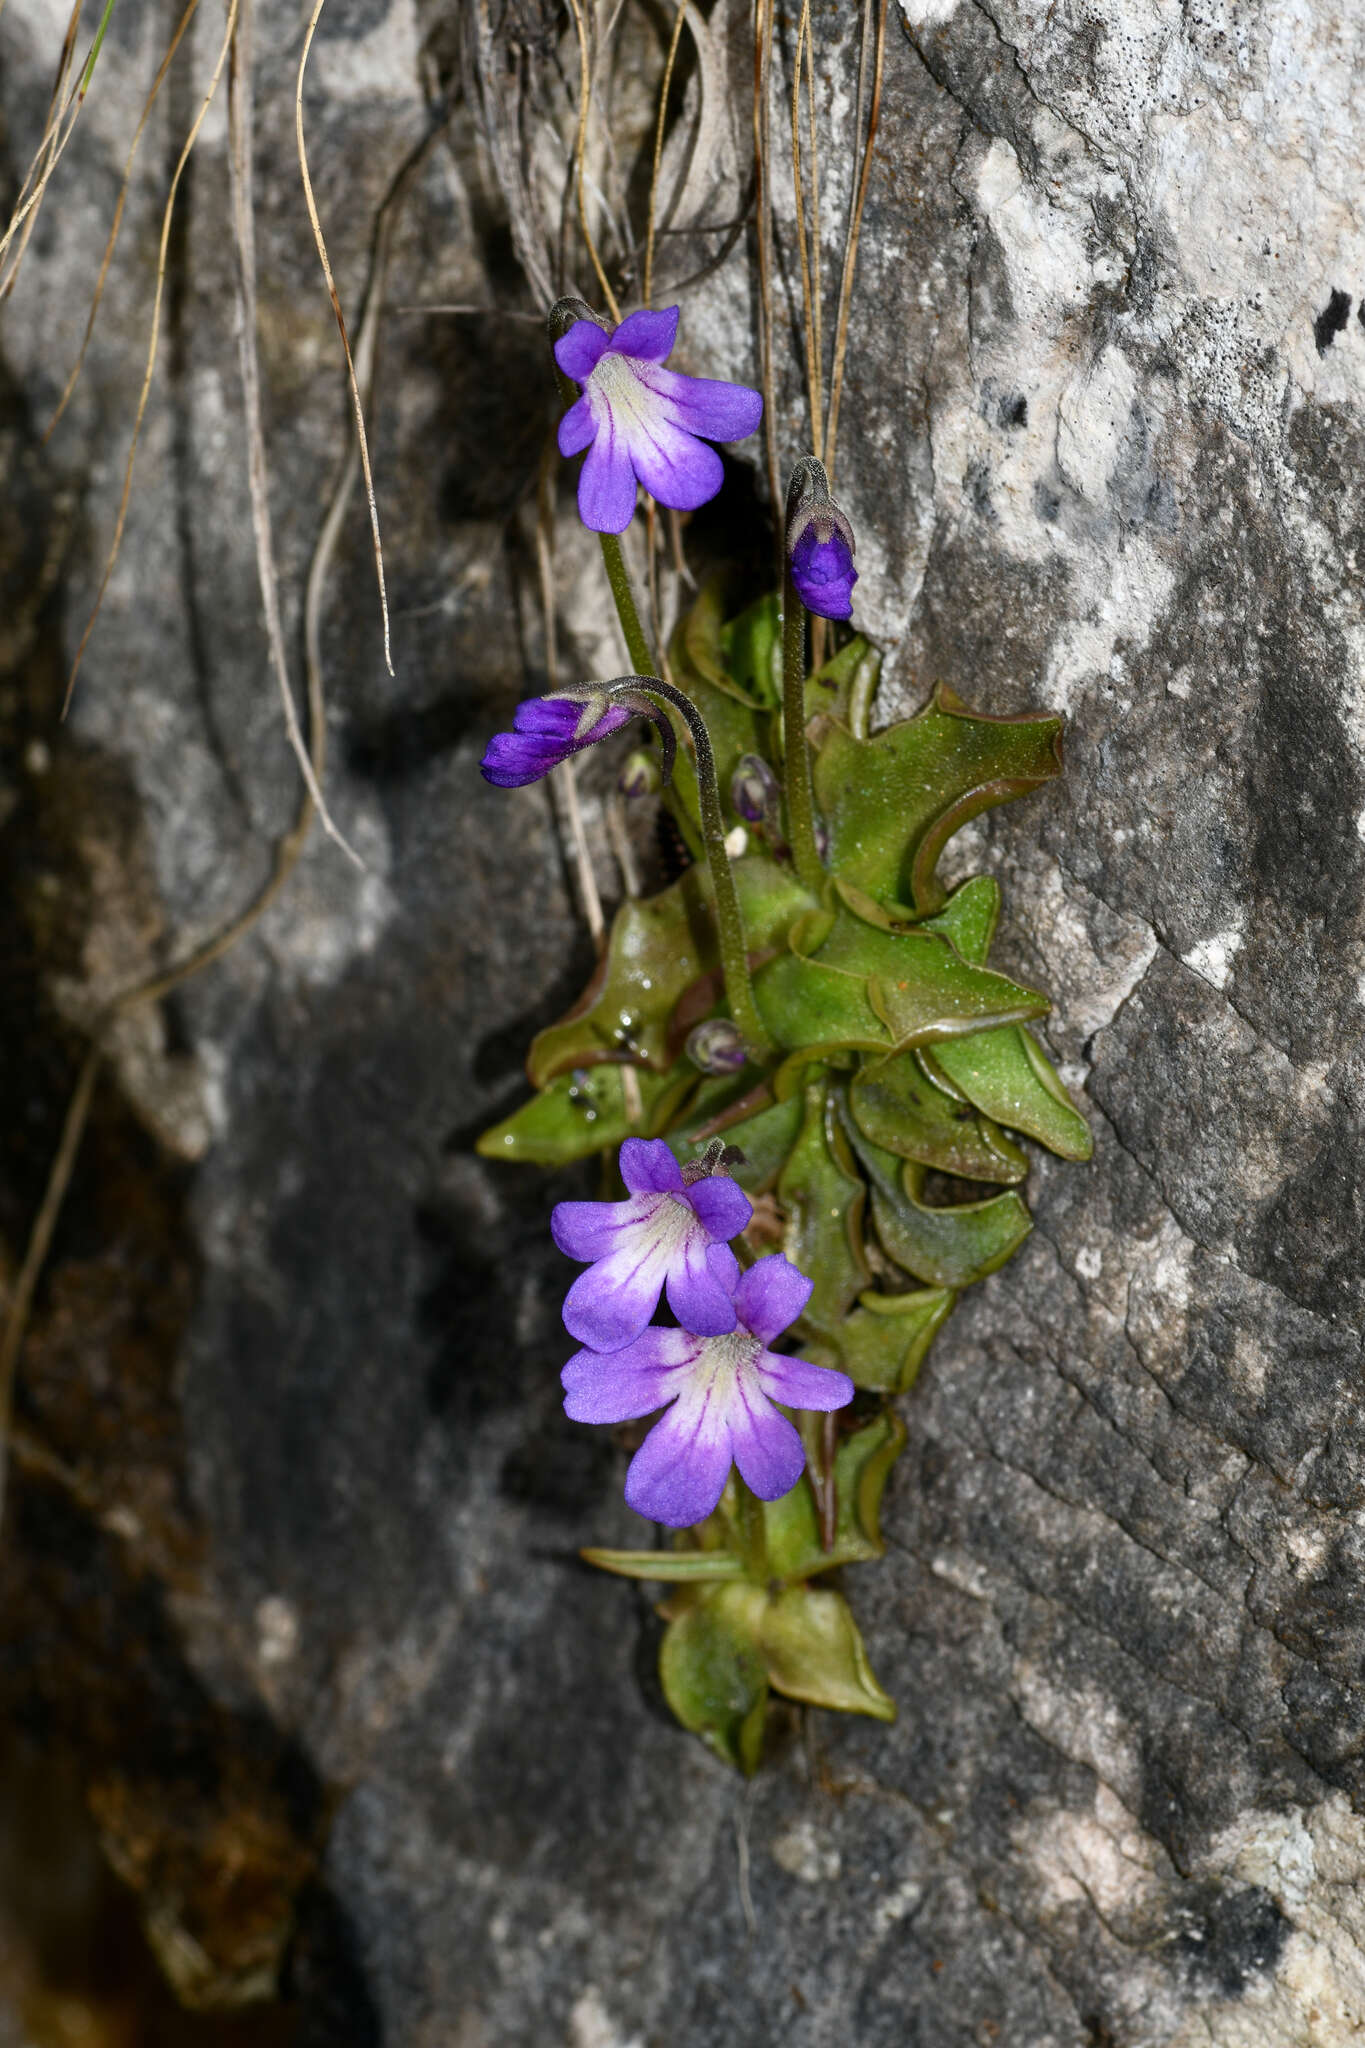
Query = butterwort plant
x=794 y=1060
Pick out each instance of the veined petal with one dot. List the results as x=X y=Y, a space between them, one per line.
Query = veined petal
x=766 y=1448
x=579 y=349
x=611 y=1303
x=701 y=1285
x=673 y=466
x=649 y=1168
x=593 y=1230
x=511 y=759
x=577 y=427
x=617 y=1386
x=606 y=485
x=724 y=1208
x=799 y=1384
x=771 y=1295
x=705 y=405
x=680 y=1469
x=647 y=335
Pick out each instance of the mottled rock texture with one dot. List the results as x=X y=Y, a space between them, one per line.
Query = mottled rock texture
x=290 y=1549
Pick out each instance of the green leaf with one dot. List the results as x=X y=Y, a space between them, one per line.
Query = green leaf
x=713 y=1671
x=813 y=1651
x=765 y=1137
x=814 y=1010
x=672 y=1567
x=662 y=948
x=830 y=688
x=579 y=1113
x=659 y=945
x=861 y=1465
x=823 y=1198
x=947 y=1247
x=919 y=984
x=969 y=917
x=736 y=720
x=892 y=802
x=897 y=1106
x=883 y=1344
x=1008 y=1077
x=751 y=652
x=1004 y=1073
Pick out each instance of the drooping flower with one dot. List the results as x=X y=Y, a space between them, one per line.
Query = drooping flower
x=638 y=420
x=670 y=1234
x=546 y=730
x=820 y=549
x=721 y=1391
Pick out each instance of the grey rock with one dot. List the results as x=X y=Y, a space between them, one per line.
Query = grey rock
x=314 y=1512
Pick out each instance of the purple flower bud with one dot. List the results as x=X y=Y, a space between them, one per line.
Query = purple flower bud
x=640 y=776
x=821 y=554
x=716 y=1047
x=545 y=731
x=753 y=788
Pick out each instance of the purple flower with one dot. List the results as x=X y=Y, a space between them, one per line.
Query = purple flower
x=546 y=730
x=638 y=420
x=822 y=564
x=721 y=1390
x=668 y=1234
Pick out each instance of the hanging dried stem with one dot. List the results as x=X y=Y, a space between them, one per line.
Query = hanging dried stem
x=153 y=342
x=808 y=290
x=664 y=89
x=147 y=105
x=854 y=228
x=763 y=36
x=45 y=158
x=318 y=238
x=817 y=295
x=580 y=148
x=240 y=176
x=287 y=852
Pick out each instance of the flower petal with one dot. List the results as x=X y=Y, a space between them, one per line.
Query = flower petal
x=766 y=1448
x=592 y=1230
x=701 y=1285
x=705 y=405
x=606 y=484
x=675 y=468
x=616 y=1386
x=799 y=1384
x=514 y=759
x=649 y=1168
x=647 y=335
x=771 y=1295
x=578 y=350
x=679 y=1471
x=611 y=1303
x=724 y=1208
x=577 y=427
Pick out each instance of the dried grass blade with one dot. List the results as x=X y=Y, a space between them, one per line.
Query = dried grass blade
x=152 y=345
x=854 y=228
x=664 y=89
x=147 y=105
x=320 y=240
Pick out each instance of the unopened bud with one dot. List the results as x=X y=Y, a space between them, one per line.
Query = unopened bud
x=820 y=544
x=640 y=775
x=716 y=1047
x=753 y=788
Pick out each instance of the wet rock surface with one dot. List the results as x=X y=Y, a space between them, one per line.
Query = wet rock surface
x=293 y=1512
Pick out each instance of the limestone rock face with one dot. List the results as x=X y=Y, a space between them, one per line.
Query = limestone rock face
x=293 y=1511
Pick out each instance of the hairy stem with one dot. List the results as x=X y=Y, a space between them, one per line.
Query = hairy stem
x=753 y=1533
x=734 y=952
x=796 y=773
x=641 y=654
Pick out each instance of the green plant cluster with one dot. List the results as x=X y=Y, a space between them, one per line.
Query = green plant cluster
x=903 y=1066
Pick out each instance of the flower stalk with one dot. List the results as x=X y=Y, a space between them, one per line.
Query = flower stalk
x=734 y=955
x=796 y=774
